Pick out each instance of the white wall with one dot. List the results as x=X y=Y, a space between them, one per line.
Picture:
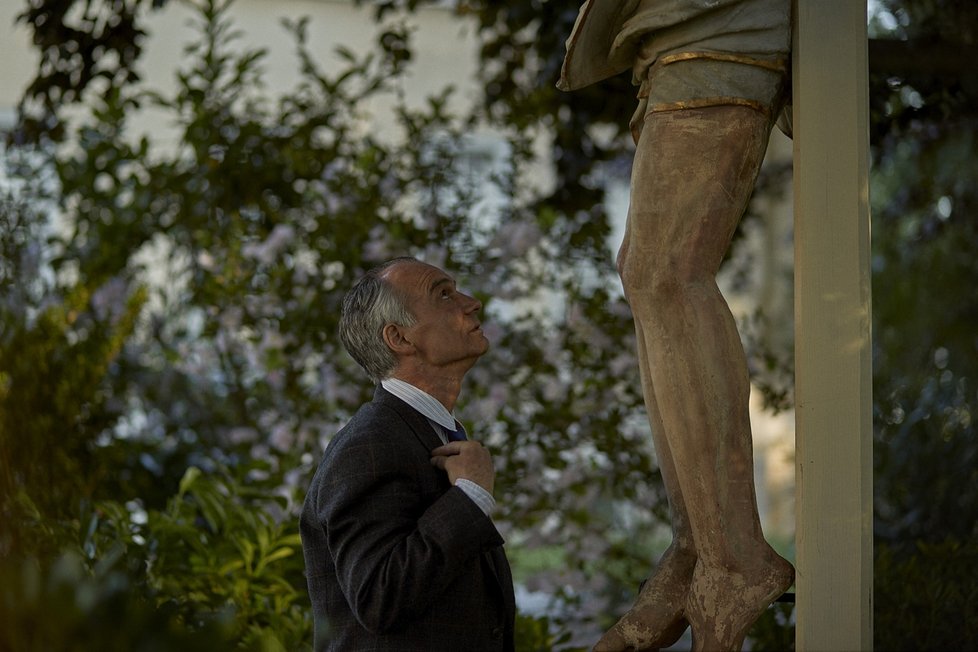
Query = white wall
x=444 y=47
x=17 y=60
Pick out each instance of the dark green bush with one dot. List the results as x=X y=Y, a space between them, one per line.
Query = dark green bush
x=926 y=597
x=65 y=606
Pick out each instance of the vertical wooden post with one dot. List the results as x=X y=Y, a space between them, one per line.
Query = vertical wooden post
x=833 y=361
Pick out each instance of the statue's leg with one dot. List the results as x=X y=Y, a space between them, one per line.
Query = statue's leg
x=694 y=172
x=657 y=618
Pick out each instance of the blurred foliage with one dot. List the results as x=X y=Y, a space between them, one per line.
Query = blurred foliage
x=925 y=597
x=173 y=308
x=65 y=605
x=925 y=212
x=535 y=634
x=774 y=631
x=219 y=547
x=170 y=371
x=214 y=568
x=925 y=308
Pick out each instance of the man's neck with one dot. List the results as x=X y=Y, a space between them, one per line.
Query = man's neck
x=444 y=389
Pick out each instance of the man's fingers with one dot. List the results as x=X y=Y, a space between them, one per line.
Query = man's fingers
x=440 y=455
x=465 y=459
x=453 y=447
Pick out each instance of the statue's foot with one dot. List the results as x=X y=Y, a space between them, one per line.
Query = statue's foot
x=656 y=619
x=724 y=603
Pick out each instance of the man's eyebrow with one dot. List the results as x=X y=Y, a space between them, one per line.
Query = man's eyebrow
x=437 y=283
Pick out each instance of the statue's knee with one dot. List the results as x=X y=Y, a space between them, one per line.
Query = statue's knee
x=648 y=285
x=638 y=278
x=627 y=273
x=620 y=261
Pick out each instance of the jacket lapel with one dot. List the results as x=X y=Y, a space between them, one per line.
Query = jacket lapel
x=418 y=423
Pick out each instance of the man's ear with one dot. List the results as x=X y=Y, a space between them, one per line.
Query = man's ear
x=395 y=339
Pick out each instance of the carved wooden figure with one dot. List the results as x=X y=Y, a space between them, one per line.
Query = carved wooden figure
x=711 y=77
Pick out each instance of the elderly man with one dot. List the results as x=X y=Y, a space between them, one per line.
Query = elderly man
x=400 y=550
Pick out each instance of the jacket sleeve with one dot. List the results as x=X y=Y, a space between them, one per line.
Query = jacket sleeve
x=396 y=536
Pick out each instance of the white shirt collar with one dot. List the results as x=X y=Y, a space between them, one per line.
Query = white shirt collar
x=421 y=401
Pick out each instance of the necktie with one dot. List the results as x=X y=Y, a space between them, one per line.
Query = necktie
x=455 y=435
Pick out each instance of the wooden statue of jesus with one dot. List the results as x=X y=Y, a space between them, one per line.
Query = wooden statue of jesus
x=712 y=80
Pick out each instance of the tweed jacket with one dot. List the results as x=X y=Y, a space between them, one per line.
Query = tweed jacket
x=396 y=558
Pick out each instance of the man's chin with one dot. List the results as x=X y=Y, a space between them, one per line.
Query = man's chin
x=478 y=353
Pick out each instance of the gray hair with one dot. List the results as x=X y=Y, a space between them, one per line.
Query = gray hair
x=370 y=305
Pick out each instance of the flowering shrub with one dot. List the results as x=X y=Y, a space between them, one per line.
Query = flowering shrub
x=170 y=381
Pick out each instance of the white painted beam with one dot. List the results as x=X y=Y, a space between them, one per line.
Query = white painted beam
x=833 y=361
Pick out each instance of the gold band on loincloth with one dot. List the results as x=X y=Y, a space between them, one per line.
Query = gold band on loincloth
x=779 y=65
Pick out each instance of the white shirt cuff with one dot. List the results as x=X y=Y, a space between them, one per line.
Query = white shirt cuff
x=482 y=498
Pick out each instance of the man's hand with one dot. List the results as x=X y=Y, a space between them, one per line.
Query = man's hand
x=465 y=459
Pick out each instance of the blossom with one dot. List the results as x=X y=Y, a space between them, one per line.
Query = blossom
x=109 y=300
x=515 y=239
x=269 y=250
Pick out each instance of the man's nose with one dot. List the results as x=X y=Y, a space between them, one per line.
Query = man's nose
x=472 y=304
